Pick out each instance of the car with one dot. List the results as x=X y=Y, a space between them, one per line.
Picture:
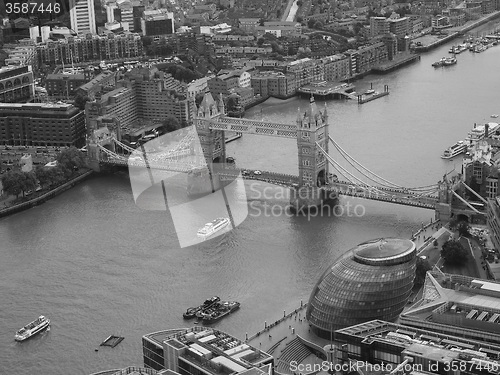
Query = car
x=257 y=173
x=245 y=173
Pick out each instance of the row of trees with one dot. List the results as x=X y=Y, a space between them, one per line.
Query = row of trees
x=19 y=182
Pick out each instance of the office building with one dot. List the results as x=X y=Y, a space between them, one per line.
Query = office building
x=157 y=22
x=37 y=124
x=425 y=351
x=458 y=305
x=82 y=15
x=64 y=86
x=16 y=84
x=371 y=281
x=202 y=351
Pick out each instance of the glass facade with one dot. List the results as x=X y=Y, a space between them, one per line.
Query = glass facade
x=371 y=281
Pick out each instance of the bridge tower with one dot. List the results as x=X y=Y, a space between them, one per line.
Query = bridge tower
x=443 y=207
x=212 y=141
x=213 y=145
x=312 y=130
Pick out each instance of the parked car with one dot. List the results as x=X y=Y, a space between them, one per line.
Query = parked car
x=245 y=173
x=257 y=173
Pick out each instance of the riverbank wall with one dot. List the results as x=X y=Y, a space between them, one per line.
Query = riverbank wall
x=44 y=197
x=459 y=32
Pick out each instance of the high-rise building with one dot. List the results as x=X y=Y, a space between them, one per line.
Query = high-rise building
x=82 y=15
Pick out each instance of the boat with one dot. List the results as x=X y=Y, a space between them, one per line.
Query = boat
x=458 y=148
x=213 y=227
x=449 y=61
x=220 y=310
x=192 y=311
x=439 y=62
x=31 y=329
x=369 y=92
x=494 y=116
x=479 y=131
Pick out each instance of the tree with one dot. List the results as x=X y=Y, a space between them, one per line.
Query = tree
x=80 y=101
x=28 y=181
x=56 y=175
x=423 y=266
x=43 y=175
x=11 y=182
x=70 y=159
x=170 y=124
x=454 y=253
x=435 y=243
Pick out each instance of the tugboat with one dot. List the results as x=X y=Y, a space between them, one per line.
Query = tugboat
x=220 y=311
x=439 y=63
x=32 y=328
x=192 y=311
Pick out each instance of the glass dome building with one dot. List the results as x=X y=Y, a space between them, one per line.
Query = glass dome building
x=371 y=281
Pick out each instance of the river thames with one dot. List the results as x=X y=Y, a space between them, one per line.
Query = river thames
x=96 y=264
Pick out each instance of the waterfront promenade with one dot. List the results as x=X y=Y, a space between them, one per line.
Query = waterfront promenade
x=278 y=334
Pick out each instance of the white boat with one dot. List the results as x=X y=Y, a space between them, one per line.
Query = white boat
x=494 y=116
x=32 y=328
x=458 y=148
x=369 y=92
x=213 y=227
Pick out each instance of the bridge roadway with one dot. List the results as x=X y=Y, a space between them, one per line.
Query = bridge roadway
x=398 y=196
x=290 y=181
x=342 y=188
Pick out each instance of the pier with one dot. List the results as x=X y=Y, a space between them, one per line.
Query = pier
x=327 y=90
x=364 y=98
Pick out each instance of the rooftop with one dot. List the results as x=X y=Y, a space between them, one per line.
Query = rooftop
x=383 y=249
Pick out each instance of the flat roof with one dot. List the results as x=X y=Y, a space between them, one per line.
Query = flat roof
x=486 y=285
x=243 y=353
x=228 y=363
x=207 y=338
x=384 y=248
x=200 y=348
x=432 y=353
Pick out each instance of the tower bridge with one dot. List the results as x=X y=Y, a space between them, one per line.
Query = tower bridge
x=325 y=172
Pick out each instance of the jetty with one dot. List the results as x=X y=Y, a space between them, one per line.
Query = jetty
x=324 y=89
x=365 y=98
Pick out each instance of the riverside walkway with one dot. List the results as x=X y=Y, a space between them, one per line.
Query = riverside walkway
x=280 y=336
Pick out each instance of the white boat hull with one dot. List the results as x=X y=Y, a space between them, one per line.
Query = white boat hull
x=33 y=332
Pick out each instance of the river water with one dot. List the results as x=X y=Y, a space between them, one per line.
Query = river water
x=96 y=264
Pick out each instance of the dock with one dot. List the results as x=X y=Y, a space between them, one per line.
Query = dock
x=327 y=90
x=112 y=341
x=363 y=98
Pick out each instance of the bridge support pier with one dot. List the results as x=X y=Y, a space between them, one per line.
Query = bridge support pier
x=309 y=198
x=93 y=157
x=443 y=212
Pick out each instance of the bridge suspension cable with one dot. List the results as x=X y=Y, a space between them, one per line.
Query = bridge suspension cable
x=388 y=184
x=350 y=160
x=346 y=174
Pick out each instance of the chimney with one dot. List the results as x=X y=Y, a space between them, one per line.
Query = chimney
x=486 y=130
